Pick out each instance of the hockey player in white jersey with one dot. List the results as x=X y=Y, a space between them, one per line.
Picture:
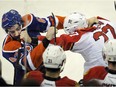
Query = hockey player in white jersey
x=106 y=75
x=89 y=44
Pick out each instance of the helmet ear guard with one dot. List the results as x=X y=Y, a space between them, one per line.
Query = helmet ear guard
x=54 y=57
x=109 y=50
x=74 y=21
x=10 y=18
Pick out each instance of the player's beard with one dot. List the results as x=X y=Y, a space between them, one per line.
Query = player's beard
x=17 y=38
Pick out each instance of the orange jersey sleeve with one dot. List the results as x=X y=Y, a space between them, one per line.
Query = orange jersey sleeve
x=27 y=19
x=36 y=55
x=60 y=22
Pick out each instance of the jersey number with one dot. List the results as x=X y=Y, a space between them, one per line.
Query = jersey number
x=103 y=33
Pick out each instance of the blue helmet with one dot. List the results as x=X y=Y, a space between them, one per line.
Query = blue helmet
x=10 y=18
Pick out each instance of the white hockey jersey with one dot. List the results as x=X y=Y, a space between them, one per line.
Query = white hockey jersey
x=91 y=43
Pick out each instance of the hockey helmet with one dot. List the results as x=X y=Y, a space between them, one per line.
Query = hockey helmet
x=74 y=21
x=54 y=57
x=109 y=50
x=10 y=18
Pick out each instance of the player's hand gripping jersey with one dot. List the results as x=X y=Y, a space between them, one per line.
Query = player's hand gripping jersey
x=89 y=42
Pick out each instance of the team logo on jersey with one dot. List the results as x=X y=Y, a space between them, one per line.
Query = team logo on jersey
x=14 y=59
x=41 y=20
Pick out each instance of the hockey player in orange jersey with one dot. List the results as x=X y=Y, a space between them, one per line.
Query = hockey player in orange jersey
x=14 y=25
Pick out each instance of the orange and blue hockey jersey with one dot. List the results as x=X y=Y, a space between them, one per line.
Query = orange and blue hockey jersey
x=31 y=57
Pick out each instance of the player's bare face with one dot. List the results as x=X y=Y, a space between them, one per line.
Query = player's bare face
x=15 y=30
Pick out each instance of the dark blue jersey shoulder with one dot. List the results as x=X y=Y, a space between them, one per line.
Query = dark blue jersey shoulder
x=37 y=26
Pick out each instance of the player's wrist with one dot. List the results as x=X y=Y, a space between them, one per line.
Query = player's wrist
x=45 y=42
x=34 y=41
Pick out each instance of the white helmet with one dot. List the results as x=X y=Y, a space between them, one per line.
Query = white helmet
x=54 y=57
x=110 y=50
x=73 y=22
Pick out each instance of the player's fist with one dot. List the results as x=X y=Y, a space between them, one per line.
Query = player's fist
x=50 y=33
x=92 y=20
x=25 y=37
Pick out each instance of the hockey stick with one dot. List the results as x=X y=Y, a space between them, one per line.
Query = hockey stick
x=17 y=67
x=25 y=50
x=54 y=28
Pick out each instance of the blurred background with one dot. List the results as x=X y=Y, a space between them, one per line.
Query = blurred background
x=44 y=8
